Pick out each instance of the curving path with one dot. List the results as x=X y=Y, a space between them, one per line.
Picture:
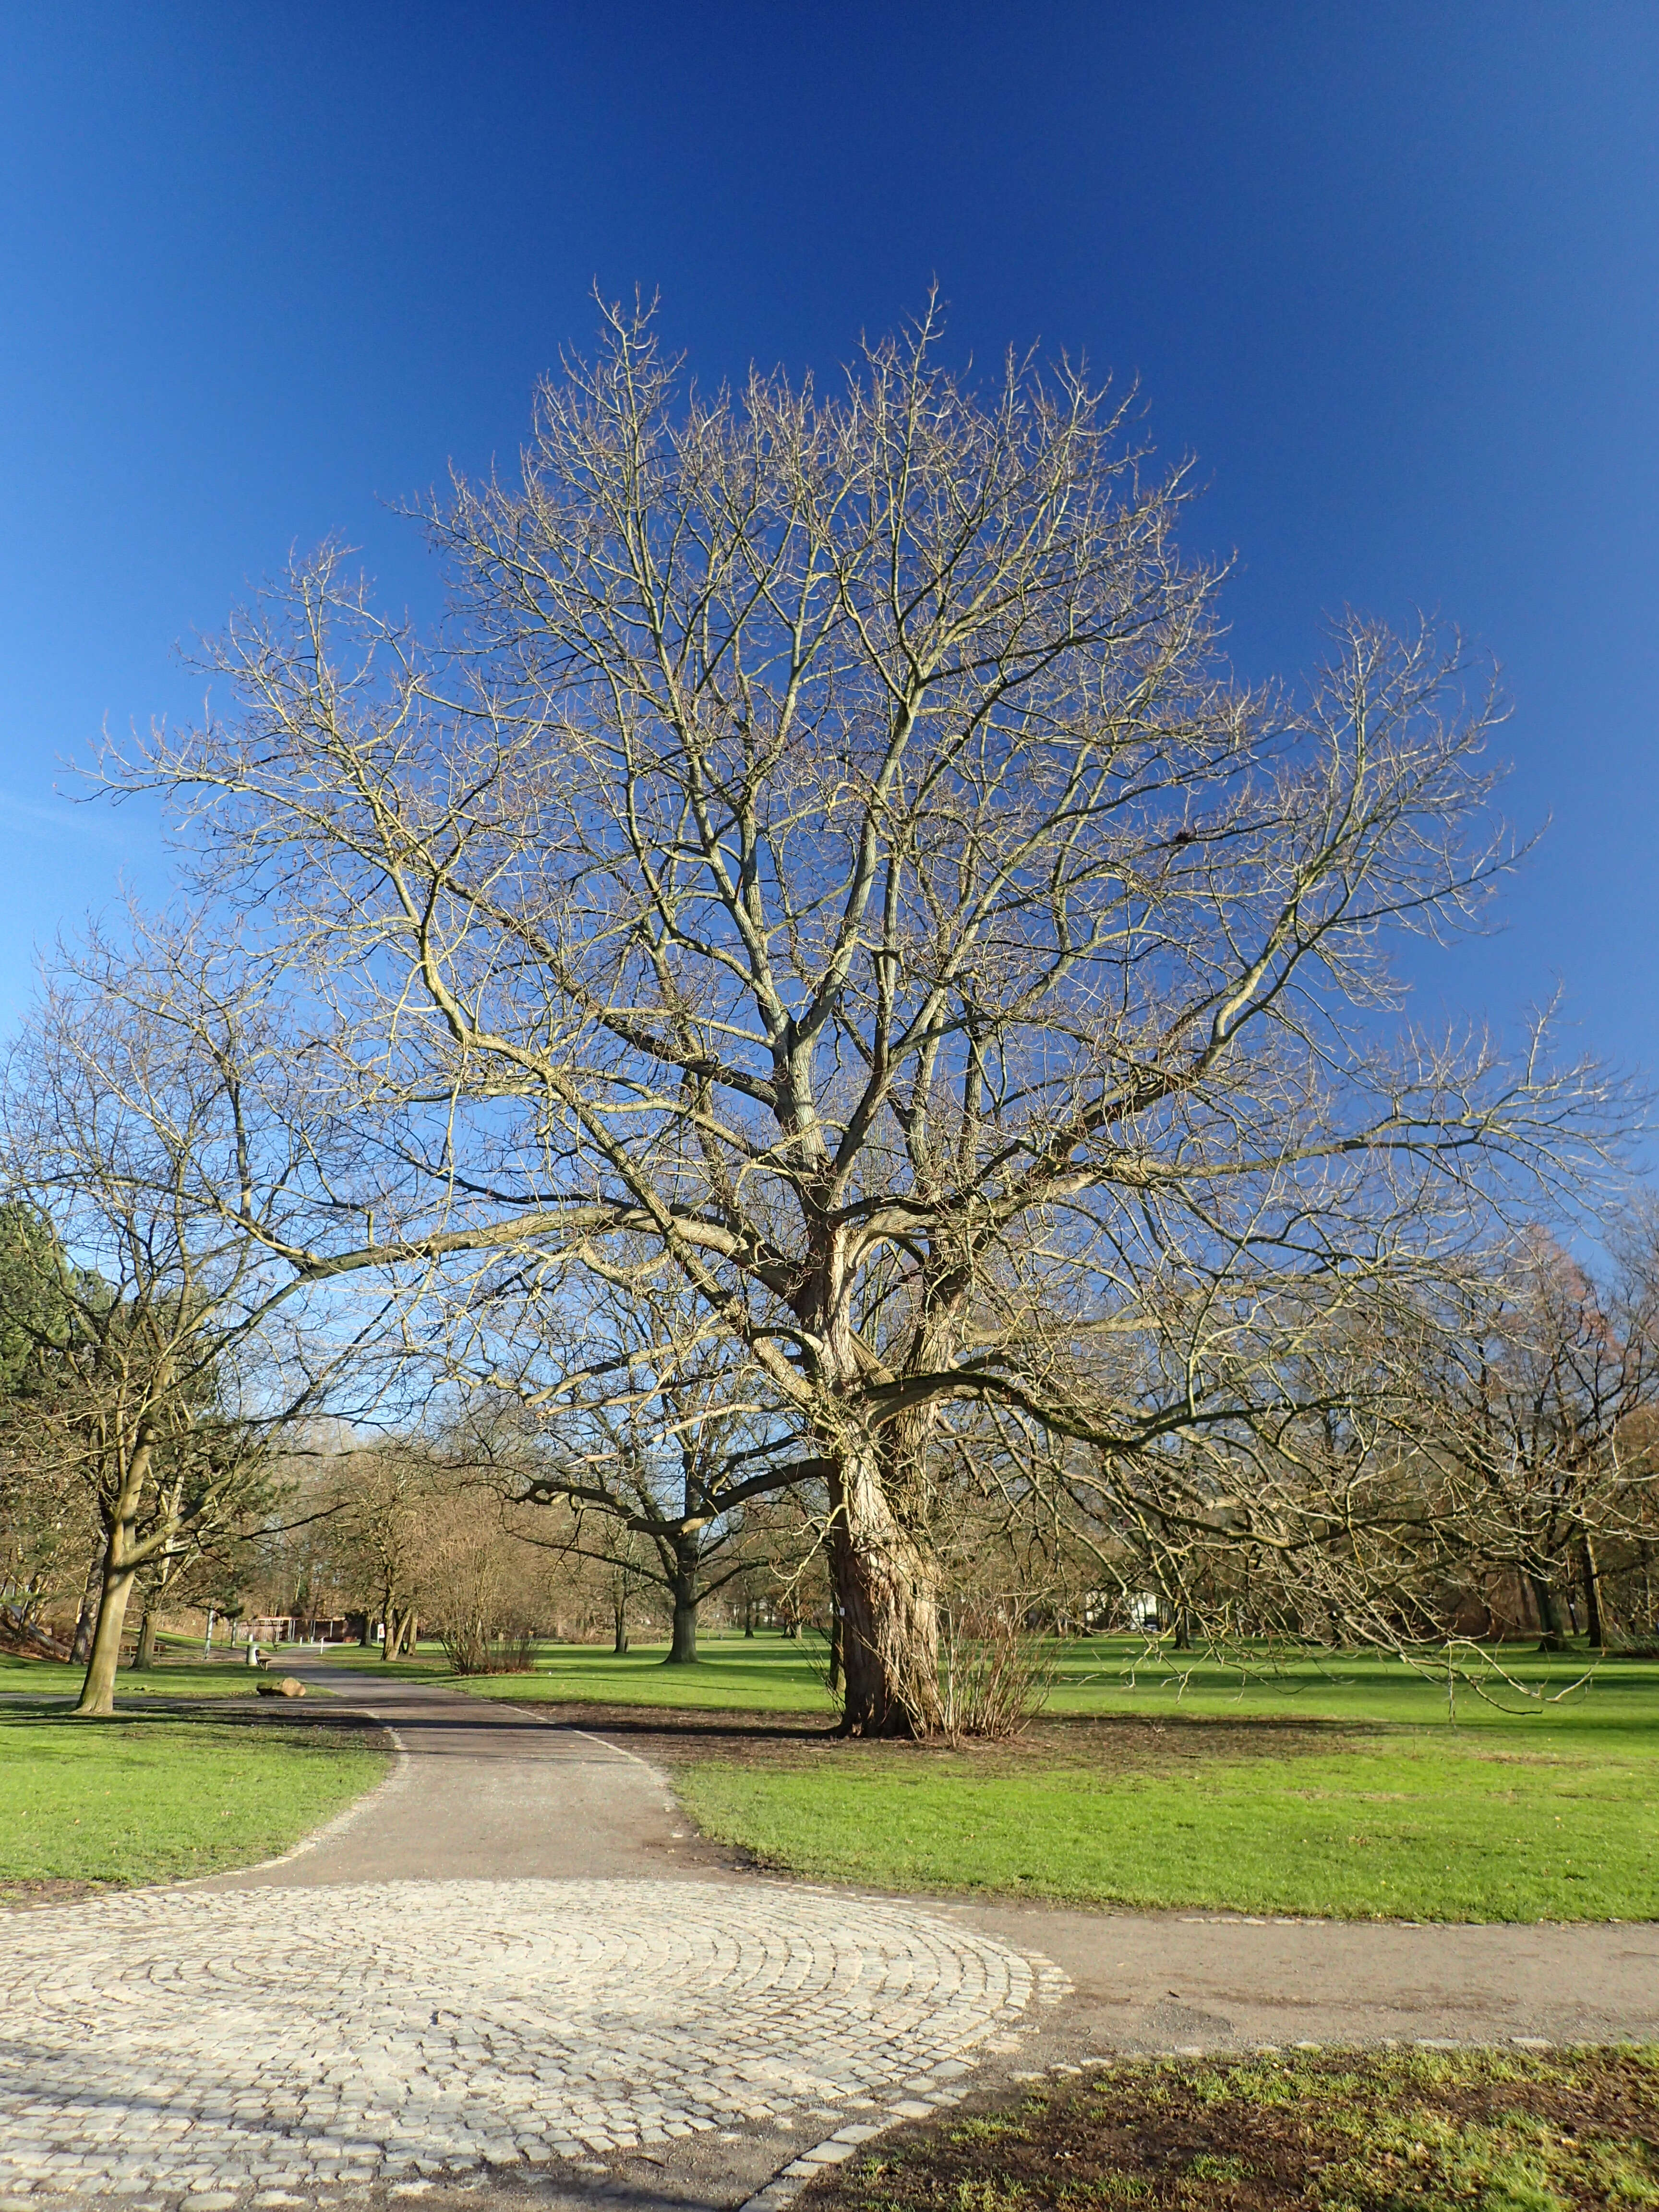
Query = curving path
x=510 y=1967
x=512 y=1972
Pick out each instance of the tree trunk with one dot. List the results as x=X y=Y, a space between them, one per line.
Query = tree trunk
x=682 y=1646
x=887 y=1592
x=144 y=1657
x=619 y=1615
x=86 y=1619
x=98 y=1691
x=1549 y=1614
x=748 y=1615
x=122 y=1558
x=835 y=1645
x=1592 y=1594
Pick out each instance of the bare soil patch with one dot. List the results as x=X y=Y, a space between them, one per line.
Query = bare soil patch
x=1107 y=1745
x=19 y=1896
x=1363 y=2132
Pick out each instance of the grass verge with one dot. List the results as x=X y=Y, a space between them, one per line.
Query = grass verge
x=1437 y=1831
x=159 y=1796
x=1335 y=2132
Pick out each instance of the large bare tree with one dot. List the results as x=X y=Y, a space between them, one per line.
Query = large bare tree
x=827 y=846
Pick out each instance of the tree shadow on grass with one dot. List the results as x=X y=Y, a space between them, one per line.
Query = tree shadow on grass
x=318 y=1724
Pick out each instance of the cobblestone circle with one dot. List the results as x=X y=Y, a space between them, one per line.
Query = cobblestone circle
x=282 y=2038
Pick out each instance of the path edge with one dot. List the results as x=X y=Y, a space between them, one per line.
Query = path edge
x=389 y=1785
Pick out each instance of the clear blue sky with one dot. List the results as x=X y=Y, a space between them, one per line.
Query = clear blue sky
x=1390 y=271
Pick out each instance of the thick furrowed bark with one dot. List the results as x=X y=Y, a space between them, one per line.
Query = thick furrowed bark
x=682 y=1648
x=887 y=1589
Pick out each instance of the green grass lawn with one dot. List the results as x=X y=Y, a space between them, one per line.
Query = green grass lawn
x=1116 y=1675
x=1416 y=1830
x=1357 y=1799
x=1330 y=1784
x=1389 y=2132
x=733 y=1674
x=1101 y=1675
x=172 y=1678
x=156 y=1796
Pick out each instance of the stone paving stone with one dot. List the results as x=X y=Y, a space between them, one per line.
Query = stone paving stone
x=276 y=2038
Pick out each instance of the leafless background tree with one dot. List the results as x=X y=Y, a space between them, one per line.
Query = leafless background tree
x=131 y=1118
x=637 y=1413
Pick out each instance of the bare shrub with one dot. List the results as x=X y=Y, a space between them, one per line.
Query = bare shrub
x=994 y=1673
x=477 y=1579
x=514 y=1653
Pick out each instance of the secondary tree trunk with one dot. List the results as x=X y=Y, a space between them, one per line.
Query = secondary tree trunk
x=122 y=1558
x=1549 y=1614
x=1592 y=1594
x=86 y=1619
x=619 y=1616
x=145 y=1656
x=98 y=1691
